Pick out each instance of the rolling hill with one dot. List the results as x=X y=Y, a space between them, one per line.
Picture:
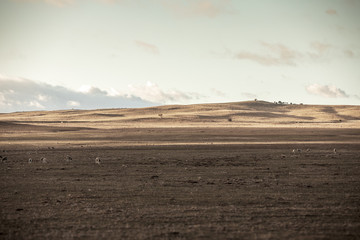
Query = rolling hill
x=236 y=114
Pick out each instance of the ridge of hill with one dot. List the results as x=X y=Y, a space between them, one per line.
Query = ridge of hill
x=233 y=114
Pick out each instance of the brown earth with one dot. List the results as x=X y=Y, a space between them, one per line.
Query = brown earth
x=213 y=171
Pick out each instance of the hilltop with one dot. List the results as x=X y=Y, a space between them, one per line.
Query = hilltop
x=234 y=114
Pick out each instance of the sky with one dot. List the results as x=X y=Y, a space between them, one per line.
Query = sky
x=91 y=54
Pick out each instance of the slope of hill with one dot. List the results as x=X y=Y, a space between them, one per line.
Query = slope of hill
x=236 y=114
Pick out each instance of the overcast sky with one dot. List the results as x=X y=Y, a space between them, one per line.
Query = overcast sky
x=57 y=54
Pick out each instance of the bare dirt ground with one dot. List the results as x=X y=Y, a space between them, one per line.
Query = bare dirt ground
x=189 y=174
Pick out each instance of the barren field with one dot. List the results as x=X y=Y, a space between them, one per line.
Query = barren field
x=212 y=171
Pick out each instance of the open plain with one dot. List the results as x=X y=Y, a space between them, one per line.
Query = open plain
x=247 y=170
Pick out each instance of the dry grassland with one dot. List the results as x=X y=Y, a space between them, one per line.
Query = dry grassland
x=208 y=171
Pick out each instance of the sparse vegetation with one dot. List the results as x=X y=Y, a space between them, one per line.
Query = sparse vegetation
x=194 y=177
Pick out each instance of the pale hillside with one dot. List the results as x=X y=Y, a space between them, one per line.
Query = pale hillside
x=237 y=114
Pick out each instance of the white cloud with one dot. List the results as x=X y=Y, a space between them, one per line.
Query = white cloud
x=349 y=53
x=279 y=54
x=17 y=94
x=217 y=92
x=73 y=103
x=150 y=48
x=87 y=89
x=35 y=104
x=320 y=49
x=249 y=95
x=207 y=8
x=43 y=98
x=331 y=11
x=57 y=3
x=153 y=93
x=326 y=91
x=275 y=54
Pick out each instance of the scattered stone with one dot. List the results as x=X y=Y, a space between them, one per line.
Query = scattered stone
x=97 y=160
x=192 y=181
x=30 y=160
x=43 y=160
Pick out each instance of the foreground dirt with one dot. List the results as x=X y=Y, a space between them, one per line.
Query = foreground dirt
x=182 y=183
x=208 y=171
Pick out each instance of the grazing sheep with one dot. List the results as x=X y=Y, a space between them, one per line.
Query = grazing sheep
x=97 y=160
x=68 y=158
x=43 y=160
x=296 y=150
x=30 y=160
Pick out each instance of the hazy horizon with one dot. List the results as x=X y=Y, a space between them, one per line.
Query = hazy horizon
x=94 y=54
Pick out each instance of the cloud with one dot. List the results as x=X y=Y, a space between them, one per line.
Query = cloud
x=73 y=103
x=57 y=3
x=349 y=53
x=150 y=48
x=63 y=3
x=152 y=92
x=217 y=92
x=326 y=91
x=87 y=89
x=331 y=11
x=17 y=94
x=278 y=54
x=207 y=8
x=249 y=95
x=321 y=48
